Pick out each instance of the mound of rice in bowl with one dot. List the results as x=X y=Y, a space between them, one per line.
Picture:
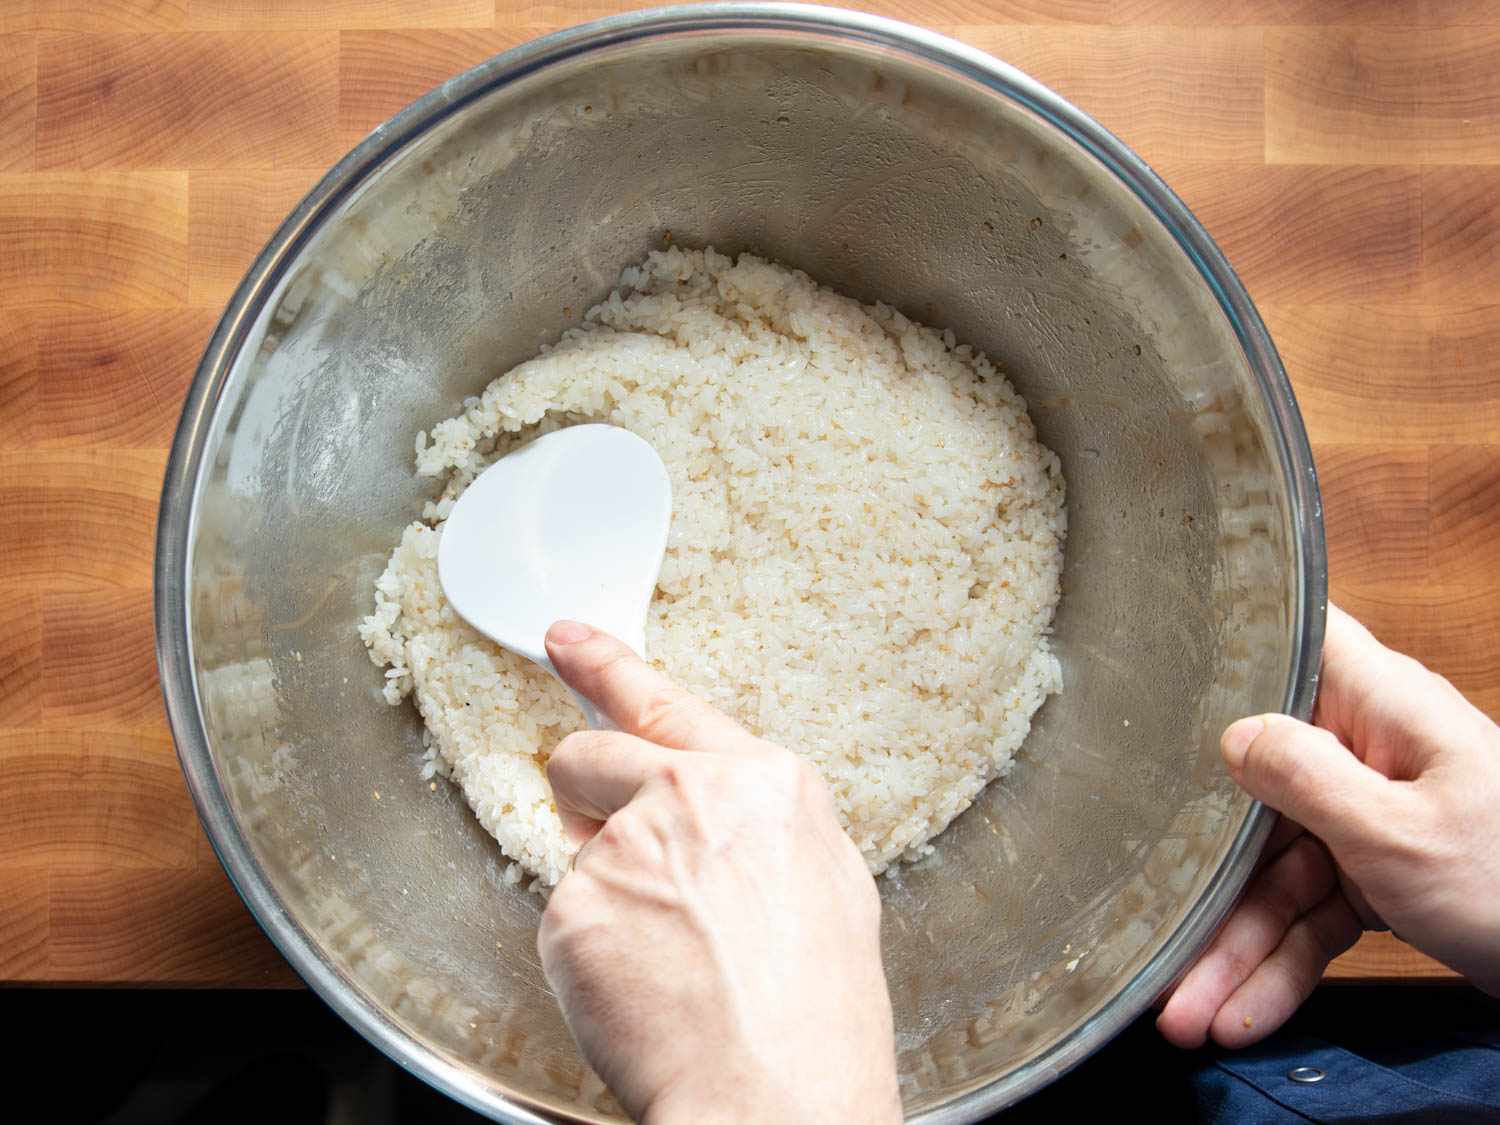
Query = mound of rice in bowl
x=864 y=558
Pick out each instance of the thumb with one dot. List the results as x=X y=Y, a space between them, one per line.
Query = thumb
x=1307 y=774
x=635 y=696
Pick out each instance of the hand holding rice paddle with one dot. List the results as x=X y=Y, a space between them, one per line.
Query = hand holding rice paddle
x=716 y=947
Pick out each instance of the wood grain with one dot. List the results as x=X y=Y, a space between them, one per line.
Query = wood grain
x=129 y=926
x=1345 y=153
x=191 y=100
x=1189 y=13
x=1060 y=15
x=232 y=214
x=1341 y=234
x=1375 y=512
x=1436 y=624
x=1382 y=95
x=20 y=654
x=1385 y=957
x=112 y=240
x=17 y=378
x=99 y=661
x=24 y=922
x=102 y=15
x=380 y=72
x=79 y=519
x=536 y=16
x=115 y=380
x=1463 y=499
x=1460 y=236
x=17 y=103
x=1392 y=374
x=119 y=801
x=323 y=15
x=1178 y=93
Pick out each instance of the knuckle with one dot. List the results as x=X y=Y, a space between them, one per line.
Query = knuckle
x=802 y=797
x=1425 y=836
x=659 y=708
x=1284 y=758
x=1236 y=964
x=601 y=739
x=676 y=777
x=616 y=833
x=625 y=837
x=1448 y=692
x=792 y=771
x=1277 y=899
x=648 y=836
x=781 y=779
x=571 y=756
x=690 y=781
x=1408 y=666
x=1306 y=871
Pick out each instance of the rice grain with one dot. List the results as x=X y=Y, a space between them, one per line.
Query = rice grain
x=863 y=563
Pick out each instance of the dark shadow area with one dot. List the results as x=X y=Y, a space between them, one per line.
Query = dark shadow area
x=1405 y=1029
x=133 y=1057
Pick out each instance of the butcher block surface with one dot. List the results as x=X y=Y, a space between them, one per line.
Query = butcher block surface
x=1346 y=156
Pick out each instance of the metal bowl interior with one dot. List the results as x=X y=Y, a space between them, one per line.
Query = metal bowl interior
x=893 y=165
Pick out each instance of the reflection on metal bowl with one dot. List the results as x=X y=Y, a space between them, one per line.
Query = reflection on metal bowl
x=887 y=162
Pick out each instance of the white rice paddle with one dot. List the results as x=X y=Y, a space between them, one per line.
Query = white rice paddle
x=572 y=525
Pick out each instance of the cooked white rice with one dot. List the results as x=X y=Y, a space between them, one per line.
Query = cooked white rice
x=863 y=563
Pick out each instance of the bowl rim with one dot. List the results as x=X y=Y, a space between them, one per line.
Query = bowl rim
x=177 y=514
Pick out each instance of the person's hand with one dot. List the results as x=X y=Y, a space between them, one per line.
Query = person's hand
x=716 y=947
x=1398 y=789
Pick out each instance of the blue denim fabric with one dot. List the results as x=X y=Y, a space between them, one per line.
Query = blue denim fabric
x=1387 y=1054
x=1440 y=1079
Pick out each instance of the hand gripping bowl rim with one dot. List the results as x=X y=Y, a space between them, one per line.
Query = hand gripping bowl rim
x=180 y=494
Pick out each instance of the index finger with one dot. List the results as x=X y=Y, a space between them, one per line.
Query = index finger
x=637 y=698
x=1299 y=879
x=595 y=773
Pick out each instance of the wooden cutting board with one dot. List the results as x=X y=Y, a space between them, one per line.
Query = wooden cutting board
x=1346 y=155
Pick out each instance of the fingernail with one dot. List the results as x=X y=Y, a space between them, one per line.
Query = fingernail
x=1237 y=739
x=568 y=633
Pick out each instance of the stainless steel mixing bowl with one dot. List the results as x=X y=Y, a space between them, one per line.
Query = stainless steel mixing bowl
x=892 y=164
